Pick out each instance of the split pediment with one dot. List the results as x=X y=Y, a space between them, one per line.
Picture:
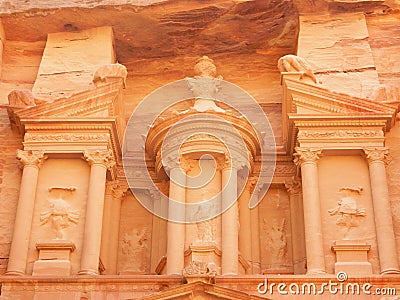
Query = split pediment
x=93 y=118
x=305 y=98
x=314 y=116
x=201 y=291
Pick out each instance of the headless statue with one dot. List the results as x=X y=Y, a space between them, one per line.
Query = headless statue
x=293 y=63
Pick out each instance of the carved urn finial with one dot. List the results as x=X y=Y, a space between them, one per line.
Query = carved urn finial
x=205 y=67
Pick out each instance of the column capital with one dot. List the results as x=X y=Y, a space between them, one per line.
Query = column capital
x=376 y=154
x=238 y=162
x=293 y=186
x=251 y=184
x=31 y=157
x=306 y=155
x=117 y=188
x=100 y=157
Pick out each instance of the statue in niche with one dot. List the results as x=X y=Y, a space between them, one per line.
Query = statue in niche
x=293 y=63
x=60 y=213
x=134 y=247
x=206 y=230
x=276 y=240
x=204 y=85
x=347 y=209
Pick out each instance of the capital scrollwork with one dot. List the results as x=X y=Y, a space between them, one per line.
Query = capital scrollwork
x=101 y=157
x=306 y=155
x=376 y=154
x=293 y=186
x=31 y=157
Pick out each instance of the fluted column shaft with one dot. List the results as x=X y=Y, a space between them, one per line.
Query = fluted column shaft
x=176 y=231
x=307 y=159
x=31 y=161
x=99 y=162
x=230 y=230
x=382 y=212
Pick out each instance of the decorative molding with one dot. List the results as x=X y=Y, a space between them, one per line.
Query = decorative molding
x=306 y=155
x=31 y=157
x=340 y=133
x=67 y=137
x=376 y=154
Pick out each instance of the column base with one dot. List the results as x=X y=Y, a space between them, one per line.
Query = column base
x=313 y=272
x=88 y=272
x=390 y=271
x=14 y=273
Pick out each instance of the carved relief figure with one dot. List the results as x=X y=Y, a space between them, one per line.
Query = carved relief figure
x=204 y=85
x=347 y=209
x=134 y=248
x=196 y=267
x=276 y=240
x=293 y=63
x=206 y=230
x=61 y=214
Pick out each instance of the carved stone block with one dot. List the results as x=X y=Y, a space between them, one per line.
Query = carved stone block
x=351 y=257
x=54 y=258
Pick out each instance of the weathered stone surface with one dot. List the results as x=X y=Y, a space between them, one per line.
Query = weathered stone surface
x=338 y=48
x=67 y=65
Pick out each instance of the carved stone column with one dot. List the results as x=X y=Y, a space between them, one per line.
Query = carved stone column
x=297 y=221
x=307 y=159
x=230 y=230
x=99 y=161
x=31 y=161
x=115 y=191
x=155 y=235
x=382 y=213
x=176 y=231
x=105 y=233
x=245 y=243
x=255 y=237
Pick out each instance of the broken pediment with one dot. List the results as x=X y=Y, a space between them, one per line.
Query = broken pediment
x=103 y=100
x=311 y=112
x=201 y=291
x=305 y=98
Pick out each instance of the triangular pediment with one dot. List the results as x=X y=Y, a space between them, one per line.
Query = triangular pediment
x=200 y=290
x=304 y=98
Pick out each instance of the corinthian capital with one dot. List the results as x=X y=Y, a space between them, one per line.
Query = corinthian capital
x=376 y=154
x=306 y=155
x=101 y=157
x=293 y=186
x=31 y=157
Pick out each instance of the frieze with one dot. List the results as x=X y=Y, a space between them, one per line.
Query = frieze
x=67 y=137
x=340 y=134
